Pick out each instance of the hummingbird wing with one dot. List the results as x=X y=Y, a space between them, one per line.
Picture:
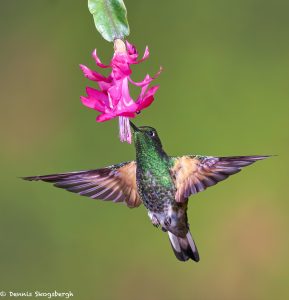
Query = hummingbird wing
x=116 y=183
x=193 y=174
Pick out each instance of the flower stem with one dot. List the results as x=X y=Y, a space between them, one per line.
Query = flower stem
x=119 y=46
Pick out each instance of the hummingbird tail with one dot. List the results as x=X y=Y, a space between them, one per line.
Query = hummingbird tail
x=184 y=248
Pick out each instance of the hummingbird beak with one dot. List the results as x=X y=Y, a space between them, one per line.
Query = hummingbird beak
x=133 y=126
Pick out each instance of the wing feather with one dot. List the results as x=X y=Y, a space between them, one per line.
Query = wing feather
x=194 y=174
x=116 y=183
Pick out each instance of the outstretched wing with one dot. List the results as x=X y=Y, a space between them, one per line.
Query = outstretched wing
x=193 y=174
x=116 y=183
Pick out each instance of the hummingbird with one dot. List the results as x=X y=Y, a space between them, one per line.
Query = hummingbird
x=161 y=182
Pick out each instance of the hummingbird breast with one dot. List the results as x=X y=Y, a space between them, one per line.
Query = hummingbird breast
x=156 y=191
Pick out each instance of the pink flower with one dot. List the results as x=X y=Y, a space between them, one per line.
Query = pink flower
x=113 y=99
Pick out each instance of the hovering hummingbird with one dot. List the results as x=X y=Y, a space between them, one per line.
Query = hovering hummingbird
x=162 y=183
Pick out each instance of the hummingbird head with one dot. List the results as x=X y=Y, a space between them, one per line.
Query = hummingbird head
x=146 y=138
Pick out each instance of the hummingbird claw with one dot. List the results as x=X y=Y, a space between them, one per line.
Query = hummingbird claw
x=167 y=221
x=155 y=221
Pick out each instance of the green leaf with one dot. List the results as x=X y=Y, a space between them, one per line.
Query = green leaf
x=110 y=18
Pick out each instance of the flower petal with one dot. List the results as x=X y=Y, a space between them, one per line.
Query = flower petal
x=105 y=117
x=114 y=94
x=145 y=55
x=152 y=91
x=92 y=75
x=148 y=99
x=145 y=103
x=111 y=115
x=101 y=96
x=98 y=61
x=120 y=66
x=158 y=73
x=93 y=103
x=126 y=114
x=147 y=80
x=131 y=49
x=125 y=94
x=121 y=71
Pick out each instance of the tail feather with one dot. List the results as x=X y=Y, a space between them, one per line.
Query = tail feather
x=184 y=248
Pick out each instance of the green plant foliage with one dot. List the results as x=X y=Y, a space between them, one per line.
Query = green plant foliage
x=110 y=18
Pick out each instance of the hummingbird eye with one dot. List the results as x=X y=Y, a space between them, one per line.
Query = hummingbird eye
x=151 y=133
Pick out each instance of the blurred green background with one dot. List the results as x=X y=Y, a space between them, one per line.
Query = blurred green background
x=224 y=91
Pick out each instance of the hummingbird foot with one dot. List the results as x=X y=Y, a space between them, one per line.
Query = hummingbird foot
x=168 y=221
x=167 y=224
x=155 y=221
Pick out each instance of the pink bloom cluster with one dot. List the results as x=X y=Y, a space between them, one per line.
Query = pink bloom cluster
x=113 y=97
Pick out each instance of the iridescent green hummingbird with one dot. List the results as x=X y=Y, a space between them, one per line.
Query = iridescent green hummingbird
x=162 y=183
